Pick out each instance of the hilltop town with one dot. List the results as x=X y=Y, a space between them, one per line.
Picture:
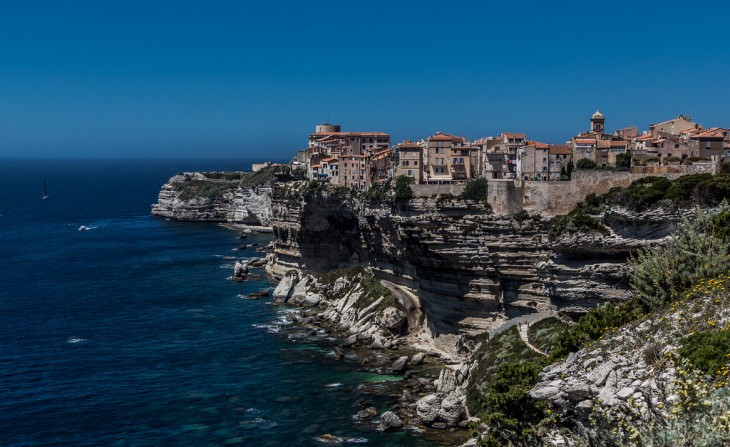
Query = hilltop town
x=360 y=160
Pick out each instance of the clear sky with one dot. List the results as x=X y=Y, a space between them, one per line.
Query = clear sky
x=252 y=78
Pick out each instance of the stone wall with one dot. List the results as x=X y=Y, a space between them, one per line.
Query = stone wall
x=559 y=198
x=434 y=190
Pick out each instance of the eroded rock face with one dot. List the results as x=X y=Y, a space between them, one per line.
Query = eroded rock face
x=196 y=197
x=468 y=270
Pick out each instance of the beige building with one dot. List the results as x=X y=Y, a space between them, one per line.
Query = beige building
x=533 y=161
x=561 y=156
x=451 y=159
x=677 y=126
x=352 y=171
x=709 y=143
x=410 y=161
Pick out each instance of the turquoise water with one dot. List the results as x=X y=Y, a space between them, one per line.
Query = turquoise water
x=131 y=333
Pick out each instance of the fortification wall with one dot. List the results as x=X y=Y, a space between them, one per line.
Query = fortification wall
x=558 y=198
x=434 y=190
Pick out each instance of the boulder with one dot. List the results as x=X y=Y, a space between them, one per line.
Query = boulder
x=427 y=408
x=240 y=271
x=452 y=410
x=417 y=359
x=284 y=289
x=392 y=319
x=367 y=413
x=399 y=366
x=390 y=421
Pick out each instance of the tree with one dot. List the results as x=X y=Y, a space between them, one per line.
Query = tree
x=403 y=191
x=476 y=189
x=623 y=160
x=585 y=163
x=570 y=170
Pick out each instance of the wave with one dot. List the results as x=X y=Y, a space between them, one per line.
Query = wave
x=75 y=340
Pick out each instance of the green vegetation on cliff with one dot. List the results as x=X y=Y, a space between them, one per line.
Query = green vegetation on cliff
x=692 y=277
x=646 y=193
x=216 y=183
x=476 y=189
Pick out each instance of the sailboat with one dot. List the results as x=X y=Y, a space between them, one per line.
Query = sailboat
x=45 y=190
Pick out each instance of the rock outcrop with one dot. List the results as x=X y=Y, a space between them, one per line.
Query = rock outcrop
x=634 y=373
x=214 y=197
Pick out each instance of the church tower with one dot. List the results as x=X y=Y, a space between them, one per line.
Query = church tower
x=598 y=122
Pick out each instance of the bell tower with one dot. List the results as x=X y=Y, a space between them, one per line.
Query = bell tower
x=598 y=122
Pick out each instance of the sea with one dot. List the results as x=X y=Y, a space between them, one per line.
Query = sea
x=119 y=328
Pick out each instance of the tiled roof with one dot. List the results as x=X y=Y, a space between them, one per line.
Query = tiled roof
x=585 y=141
x=714 y=133
x=560 y=150
x=513 y=135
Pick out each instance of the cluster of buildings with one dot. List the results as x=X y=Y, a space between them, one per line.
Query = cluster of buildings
x=361 y=159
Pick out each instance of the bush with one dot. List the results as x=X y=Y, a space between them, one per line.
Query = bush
x=513 y=416
x=707 y=350
x=403 y=191
x=593 y=325
x=379 y=191
x=578 y=221
x=726 y=167
x=585 y=163
x=476 y=189
x=660 y=274
x=623 y=160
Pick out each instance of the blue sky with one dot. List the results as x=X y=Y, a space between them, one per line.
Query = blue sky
x=251 y=79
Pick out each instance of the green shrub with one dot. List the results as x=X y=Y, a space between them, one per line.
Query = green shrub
x=403 y=191
x=585 y=163
x=577 y=221
x=707 y=351
x=623 y=160
x=726 y=167
x=645 y=192
x=476 y=189
x=593 y=325
x=721 y=226
x=513 y=416
x=671 y=159
x=379 y=191
x=660 y=274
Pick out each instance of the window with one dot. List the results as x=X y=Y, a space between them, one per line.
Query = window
x=410 y=173
x=415 y=162
x=405 y=162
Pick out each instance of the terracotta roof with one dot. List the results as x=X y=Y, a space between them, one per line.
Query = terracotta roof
x=714 y=133
x=560 y=150
x=316 y=166
x=645 y=137
x=602 y=144
x=538 y=145
x=513 y=135
x=585 y=141
x=619 y=143
x=328 y=160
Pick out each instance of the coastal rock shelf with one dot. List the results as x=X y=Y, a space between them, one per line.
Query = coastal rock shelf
x=215 y=197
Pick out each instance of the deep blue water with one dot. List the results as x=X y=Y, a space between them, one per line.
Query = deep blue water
x=130 y=334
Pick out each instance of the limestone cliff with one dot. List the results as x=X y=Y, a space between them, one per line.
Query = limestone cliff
x=216 y=197
x=469 y=270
